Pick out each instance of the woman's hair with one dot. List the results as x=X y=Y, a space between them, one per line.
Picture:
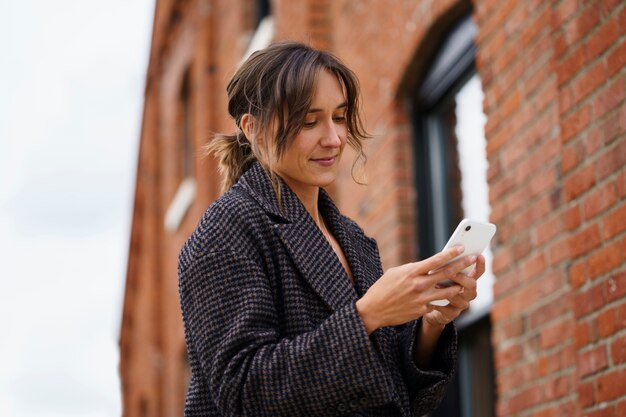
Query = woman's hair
x=276 y=86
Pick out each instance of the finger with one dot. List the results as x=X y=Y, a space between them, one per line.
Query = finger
x=460 y=302
x=446 y=293
x=450 y=312
x=465 y=281
x=452 y=269
x=479 y=267
x=438 y=260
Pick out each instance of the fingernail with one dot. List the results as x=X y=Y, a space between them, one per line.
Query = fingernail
x=460 y=249
x=462 y=290
x=473 y=259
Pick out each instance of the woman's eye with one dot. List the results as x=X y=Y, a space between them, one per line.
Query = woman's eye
x=310 y=124
x=341 y=118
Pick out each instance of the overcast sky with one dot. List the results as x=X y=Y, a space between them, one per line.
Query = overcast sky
x=71 y=96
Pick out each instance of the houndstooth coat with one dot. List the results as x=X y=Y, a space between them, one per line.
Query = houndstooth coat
x=270 y=319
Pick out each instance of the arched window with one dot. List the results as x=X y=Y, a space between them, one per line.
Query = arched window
x=186 y=156
x=185 y=129
x=260 y=15
x=451 y=181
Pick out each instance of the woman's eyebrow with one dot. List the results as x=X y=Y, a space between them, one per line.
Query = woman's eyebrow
x=341 y=106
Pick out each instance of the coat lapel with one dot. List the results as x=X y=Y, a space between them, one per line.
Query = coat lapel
x=360 y=250
x=305 y=243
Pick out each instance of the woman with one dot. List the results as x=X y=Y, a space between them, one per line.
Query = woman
x=286 y=308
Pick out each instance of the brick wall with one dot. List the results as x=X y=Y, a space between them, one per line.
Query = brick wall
x=554 y=81
x=553 y=74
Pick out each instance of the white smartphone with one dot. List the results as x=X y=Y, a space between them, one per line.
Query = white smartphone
x=475 y=236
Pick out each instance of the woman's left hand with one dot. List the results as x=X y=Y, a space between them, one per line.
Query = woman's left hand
x=440 y=316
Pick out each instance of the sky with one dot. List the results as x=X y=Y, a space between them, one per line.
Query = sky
x=72 y=75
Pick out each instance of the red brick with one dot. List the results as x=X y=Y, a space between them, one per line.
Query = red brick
x=609 y=6
x=549 y=312
x=600 y=199
x=559 y=251
x=610 y=131
x=560 y=45
x=612 y=160
x=566 y=100
x=593 y=141
x=601 y=40
x=502 y=309
x=534 y=266
x=544 y=180
x=611 y=385
x=510 y=329
x=575 y=123
x=621 y=316
x=556 y=333
x=583 y=334
x=614 y=222
x=578 y=274
x=607 y=322
x=602 y=412
x=507 y=356
x=501 y=187
x=586 y=394
x=579 y=182
x=610 y=98
x=502 y=262
x=572 y=155
x=539 y=23
x=567 y=408
x=549 y=229
x=546 y=412
x=584 y=241
x=621 y=408
x=582 y=24
x=618 y=350
x=588 y=301
x=572 y=217
x=558 y=387
x=592 y=361
x=605 y=259
x=616 y=60
x=571 y=65
x=527 y=398
x=621 y=184
x=615 y=286
x=564 y=11
x=588 y=81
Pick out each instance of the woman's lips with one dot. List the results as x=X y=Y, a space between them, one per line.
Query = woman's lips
x=325 y=161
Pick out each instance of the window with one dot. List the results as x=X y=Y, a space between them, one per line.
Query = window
x=260 y=14
x=186 y=156
x=451 y=181
x=186 y=149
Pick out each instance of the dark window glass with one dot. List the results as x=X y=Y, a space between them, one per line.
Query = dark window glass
x=451 y=184
x=187 y=152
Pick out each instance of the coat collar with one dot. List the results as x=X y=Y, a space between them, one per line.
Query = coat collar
x=311 y=253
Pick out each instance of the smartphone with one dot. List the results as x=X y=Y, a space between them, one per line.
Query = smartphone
x=475 y=236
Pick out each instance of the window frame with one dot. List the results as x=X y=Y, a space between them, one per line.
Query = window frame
x=452 y=68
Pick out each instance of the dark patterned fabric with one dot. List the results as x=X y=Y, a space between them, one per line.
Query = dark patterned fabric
x=270 y=318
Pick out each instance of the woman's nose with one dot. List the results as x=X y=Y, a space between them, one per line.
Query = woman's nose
x=331 y=136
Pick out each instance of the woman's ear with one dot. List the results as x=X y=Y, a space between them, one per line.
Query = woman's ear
x=249 y=128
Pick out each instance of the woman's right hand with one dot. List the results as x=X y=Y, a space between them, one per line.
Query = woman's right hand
x=404 y=293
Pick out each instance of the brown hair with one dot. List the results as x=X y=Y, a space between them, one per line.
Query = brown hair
x=276 y=86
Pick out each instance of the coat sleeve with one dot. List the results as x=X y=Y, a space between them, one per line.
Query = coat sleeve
x=233 y=327
x=427 y=388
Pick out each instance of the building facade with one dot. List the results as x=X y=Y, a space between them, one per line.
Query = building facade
x=507 y=110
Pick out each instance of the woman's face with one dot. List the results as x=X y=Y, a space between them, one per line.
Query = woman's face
x=311 y=160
